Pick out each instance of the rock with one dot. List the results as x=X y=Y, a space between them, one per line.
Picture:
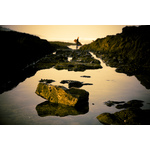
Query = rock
x=61 y=95
x=76 y=66
x=80 y=61
x=135 y=103
x=130 y=116
x=52 y=109
x=75 y=84
x=111 y=103
x=86 y=76
x=47 y=80
x=128 y=51
x=72 y=83
x=106 y=118
x=131 y=103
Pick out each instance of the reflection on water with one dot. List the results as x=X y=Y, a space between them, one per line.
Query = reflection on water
x=17 y=106
x=51 y=109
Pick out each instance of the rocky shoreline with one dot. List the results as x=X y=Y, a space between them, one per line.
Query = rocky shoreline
x=19 y=53
x=121 y=51
x=128 y=51
x=80 y=61
x=131 y=114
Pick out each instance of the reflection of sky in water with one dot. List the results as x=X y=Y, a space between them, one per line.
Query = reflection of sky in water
x=18 y=105
x=74 y=47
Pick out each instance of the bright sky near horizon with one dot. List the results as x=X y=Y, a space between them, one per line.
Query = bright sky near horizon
x=68 y=32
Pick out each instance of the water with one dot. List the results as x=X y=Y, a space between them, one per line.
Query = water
x=17 y=106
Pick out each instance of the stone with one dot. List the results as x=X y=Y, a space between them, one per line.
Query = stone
x=73 y=83
x=47 y=80
x=131 y=103
x=86 y=76
x=111 y=103
x=129 y=116
x=61 y=95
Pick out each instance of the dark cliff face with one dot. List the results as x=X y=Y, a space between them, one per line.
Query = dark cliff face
x=19 y=51
x=22 y=49
x=129 y=51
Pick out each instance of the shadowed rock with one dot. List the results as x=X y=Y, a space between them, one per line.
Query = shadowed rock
x=72 y=83
x=131 y=115
x=86 y=76
x=46 y=81
x=132 y=103
x=111 y=103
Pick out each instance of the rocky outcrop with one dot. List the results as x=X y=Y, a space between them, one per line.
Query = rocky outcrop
x=131 y=114
x=80 y=61
x=59 y=94
x=128 y=51
x=19 y=53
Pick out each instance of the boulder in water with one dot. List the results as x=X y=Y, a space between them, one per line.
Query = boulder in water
x=62 y=95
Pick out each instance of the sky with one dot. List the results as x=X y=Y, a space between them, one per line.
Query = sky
x=68 y=32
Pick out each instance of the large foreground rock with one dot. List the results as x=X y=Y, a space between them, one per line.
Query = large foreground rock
x=61 y=95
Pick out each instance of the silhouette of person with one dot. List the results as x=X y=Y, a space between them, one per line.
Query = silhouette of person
x=77 y=43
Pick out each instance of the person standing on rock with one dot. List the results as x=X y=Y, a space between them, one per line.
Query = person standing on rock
x=77 y=43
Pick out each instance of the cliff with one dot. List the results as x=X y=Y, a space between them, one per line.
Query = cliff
x=128 y=51
x=18 y=52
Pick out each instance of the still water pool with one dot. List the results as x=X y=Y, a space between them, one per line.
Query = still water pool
x=18 y=106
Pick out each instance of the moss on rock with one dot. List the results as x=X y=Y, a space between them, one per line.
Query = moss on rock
x=62 y=95
x=131 y=115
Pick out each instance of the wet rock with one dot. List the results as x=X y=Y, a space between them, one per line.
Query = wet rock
x=80 y=61
x=46 y=81
x=76 y=66
x=128 y=52
x=86 y=76
x=131 y=103
x=65 y=81
x=61 y=95
x=130 y=116
x=52 y=109
x=111 y=103
x=72 y=83
x=75 y=84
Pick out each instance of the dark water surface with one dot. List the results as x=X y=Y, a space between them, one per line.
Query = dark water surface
x=18 y=106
